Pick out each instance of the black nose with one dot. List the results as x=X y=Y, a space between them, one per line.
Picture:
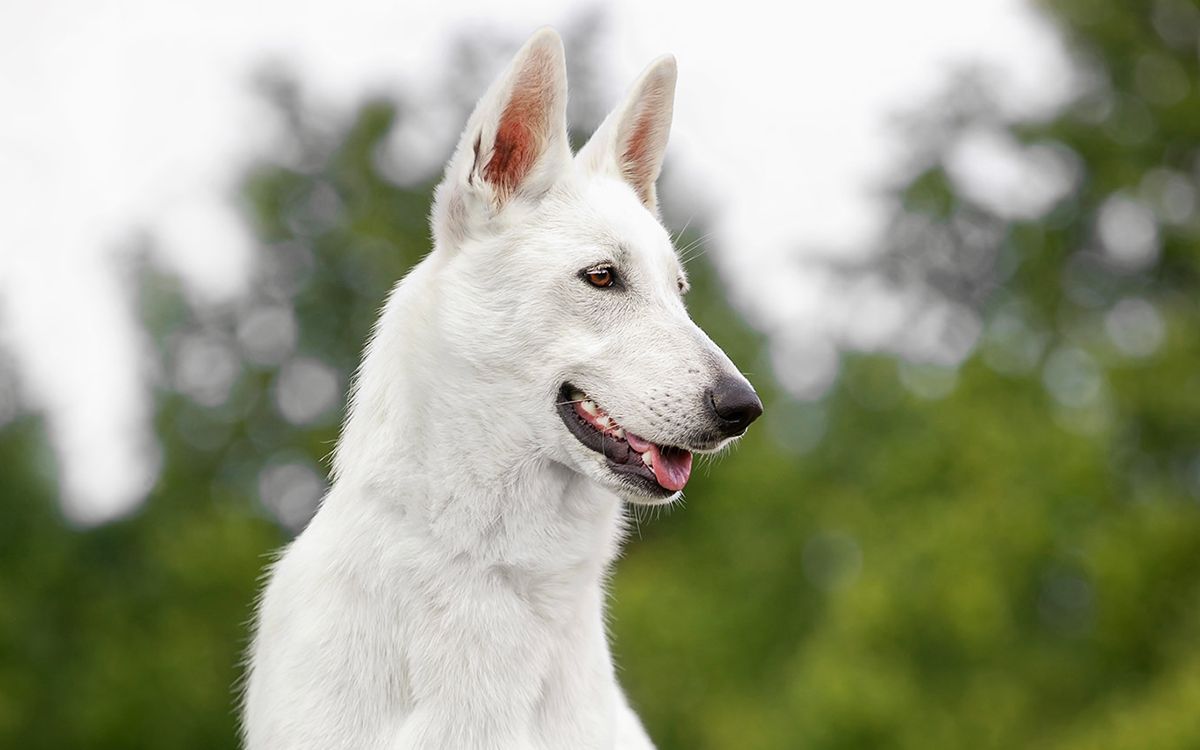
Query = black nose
x=736 y=405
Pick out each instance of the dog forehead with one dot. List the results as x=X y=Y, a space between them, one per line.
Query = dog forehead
x=617 y=217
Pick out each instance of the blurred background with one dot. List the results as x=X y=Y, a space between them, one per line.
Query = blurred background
x=955 y=245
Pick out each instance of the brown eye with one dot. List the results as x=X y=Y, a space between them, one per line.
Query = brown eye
x=600 y=277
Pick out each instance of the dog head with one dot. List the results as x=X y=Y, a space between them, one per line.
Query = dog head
x=571 y=288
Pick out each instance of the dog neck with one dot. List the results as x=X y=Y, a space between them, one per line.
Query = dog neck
x=461 y=478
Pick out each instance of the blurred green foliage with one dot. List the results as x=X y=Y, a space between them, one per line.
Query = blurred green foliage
x=1002 y=555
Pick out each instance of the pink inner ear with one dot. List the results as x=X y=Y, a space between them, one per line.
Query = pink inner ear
x=521 y=131
x=637 y=165
x=639 y=158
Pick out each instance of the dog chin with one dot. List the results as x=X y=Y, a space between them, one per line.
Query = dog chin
x=648 y=500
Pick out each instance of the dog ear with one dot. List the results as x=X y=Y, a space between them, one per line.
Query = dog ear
x=632 y=140
x=515 y=143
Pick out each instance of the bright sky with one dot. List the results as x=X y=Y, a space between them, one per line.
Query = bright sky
x=130 y=119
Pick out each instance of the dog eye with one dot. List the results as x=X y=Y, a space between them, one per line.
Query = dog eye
x=601 y=277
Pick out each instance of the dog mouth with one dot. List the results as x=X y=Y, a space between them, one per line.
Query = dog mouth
x=654 y=469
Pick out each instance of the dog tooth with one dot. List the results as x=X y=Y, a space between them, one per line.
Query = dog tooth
x=648 y=459
x=590 y=407
x=619 y=433
x=577 y=396
x=604 y=422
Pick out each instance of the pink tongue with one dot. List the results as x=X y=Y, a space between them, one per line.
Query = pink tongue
x=635 y=442
x=672 y=469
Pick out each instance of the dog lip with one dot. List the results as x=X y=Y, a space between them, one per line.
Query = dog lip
x=639 y=478
x=617 y=453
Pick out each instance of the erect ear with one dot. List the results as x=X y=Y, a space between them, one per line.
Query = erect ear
x=515 y=143
x=631 y=141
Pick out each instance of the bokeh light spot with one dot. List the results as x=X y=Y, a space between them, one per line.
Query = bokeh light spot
x=306 y=390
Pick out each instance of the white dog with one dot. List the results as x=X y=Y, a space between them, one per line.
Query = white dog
x=534 y=370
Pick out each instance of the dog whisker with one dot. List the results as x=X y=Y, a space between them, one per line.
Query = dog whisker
x=686 y=224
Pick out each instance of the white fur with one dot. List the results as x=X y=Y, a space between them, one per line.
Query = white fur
x=449 y=592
